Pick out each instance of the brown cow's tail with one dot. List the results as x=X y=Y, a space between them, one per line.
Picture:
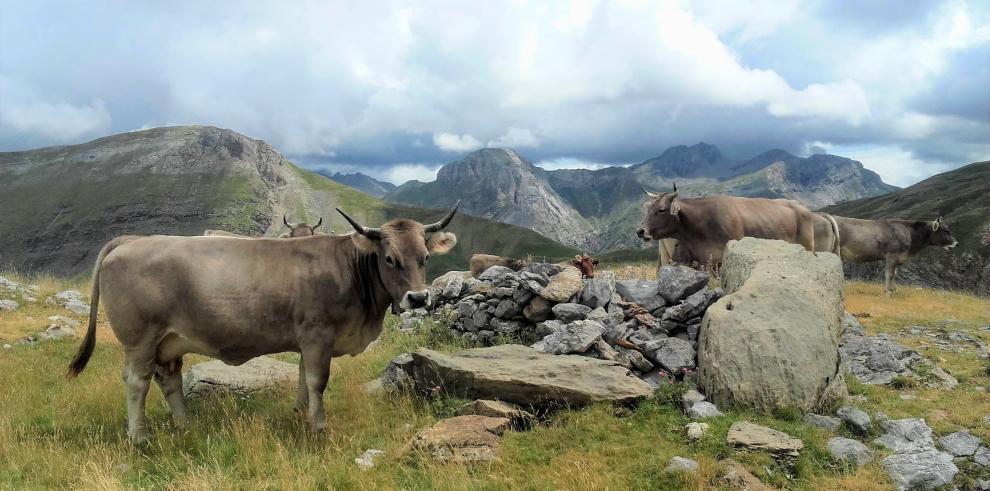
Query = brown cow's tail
x=89 y=342
x=837 y=241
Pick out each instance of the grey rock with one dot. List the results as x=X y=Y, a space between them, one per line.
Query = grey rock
x=960 y=443
x=703 y=410
x=538 y=310
x=575 y=337
x=856 y=418
x=821 y=421
x=480 y=319
x=563 y=285
x=674 y=354
x=634 y=358
x=397 y=376
x=922 y=469
x=367 y=459
x=8 y=305
x=494 y=274
x=597 y=291
x=569 y=312
x=71 y=300
x=507 y=309
x=524 y=376
x=693 y=306
x=599 y=314
x=645 y=293
x=508 y=327
x=851 y=326
x=454 y=287
x=906 y=435
x=876 y=359
x=675 y=283
x=695 y=431
x=466 y=308
x=215 y=377
x=543 y=269
x=849 y=450
x=504 y=292
x=613 y=333
x=982 y=456
x=549 y=327
x=520 y=418
x=645 y=339
x=681 y=464
x=690 y=397
x=751 y=436
x=523 y=296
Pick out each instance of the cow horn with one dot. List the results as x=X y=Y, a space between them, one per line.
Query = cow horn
x=318 y=224
x=652 y=195
x=675 y=186
x=436 y=227
x=371 y=233
x=286 y=222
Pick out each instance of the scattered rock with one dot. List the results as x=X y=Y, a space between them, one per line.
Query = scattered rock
x=522 y=375
x=520 y=418
x=461 y=439
x=750 y=436
x=215 y=377
x=538 y=310
x=703 y=410
x=821 y=421
x=398 y=374
x=644 y=293
x=772 y=341
x=922 y=469
x=675 y=282
x=849 y=450
x=569 y=312
x=695 y=431
x=737 y=476
x=575 y=337
x=367 y=460
x=8 y=305
x=597 y=292
x=906 y=435
x=960 y=443
x=71 y=300
x=681 y=464
x=690 y=397
x=563 y=285
x=856 y=418
x=982 y=456
x=495 y=274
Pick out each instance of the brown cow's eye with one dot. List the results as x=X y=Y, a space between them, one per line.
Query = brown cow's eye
x=427 y=258
x=389 y=261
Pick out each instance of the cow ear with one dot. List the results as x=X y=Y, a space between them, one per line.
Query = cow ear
x=441 y=242
x=936 y=224
x=675 y=207
x=363 y=243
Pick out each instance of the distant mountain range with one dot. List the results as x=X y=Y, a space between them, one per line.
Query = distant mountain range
x=598 y=210
x=61 y=204
x=363 y=183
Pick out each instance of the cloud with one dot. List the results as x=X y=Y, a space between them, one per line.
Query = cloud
x=573 y=163
x=895 y=165
x=449 y=142
x=24 y=114
x=515 y=138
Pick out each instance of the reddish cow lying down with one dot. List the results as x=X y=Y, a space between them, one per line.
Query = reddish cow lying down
x=481 y=262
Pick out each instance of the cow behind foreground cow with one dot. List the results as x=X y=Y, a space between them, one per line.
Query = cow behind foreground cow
x=235 y=299
x=702 y=226
x=301 y=229
x=892 y=241
x=480 y=263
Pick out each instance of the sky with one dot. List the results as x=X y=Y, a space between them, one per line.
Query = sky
x=397 y=89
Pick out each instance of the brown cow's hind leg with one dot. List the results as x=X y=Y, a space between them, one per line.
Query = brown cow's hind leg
x=169 y=379
x=890 y=270
x=137 y=372
x=302 y=392
x=317 y=363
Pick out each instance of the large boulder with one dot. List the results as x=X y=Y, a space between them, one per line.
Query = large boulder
x=258 y=374
x=563 y=285
x=524 y=376
x=675 y=282
x=773 y=340
x=461 y=439
x=575 y=337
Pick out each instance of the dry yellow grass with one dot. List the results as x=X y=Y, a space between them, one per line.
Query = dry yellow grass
x=61 y=434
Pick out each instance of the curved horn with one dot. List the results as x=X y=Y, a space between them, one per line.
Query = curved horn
x=652 y=195
x=318 y=224
x=371 y=233
x=675 y=186
x=286 y=222
x=436 y=227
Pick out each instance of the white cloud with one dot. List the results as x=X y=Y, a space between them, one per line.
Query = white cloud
x=573 y=163
x=895 y=165
x=515 y=138
x=24 y=112
x=401 y=173
x=450 y=142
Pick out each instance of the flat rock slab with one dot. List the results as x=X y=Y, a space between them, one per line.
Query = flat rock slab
x=752 y=436
x=849 y=450
x=461 y=439
x=497 y=409
x=923 y=469
x=522 y=375
x=258 y=374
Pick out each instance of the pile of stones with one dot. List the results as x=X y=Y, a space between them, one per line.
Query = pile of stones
x=648 y=326
x=12 y=293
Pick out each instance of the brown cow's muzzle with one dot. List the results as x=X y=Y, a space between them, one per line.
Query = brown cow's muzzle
x=415 y=300
x=641 y=233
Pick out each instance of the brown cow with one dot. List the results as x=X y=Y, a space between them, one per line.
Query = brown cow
x=702 y=226
x=301 y=229
x=481 y=262
x=892 y=241
x=235 y=299
x=584 y=263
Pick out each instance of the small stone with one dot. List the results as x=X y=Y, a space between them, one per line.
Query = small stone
x=703 y=410
x=674 y=354
x=681 y=464
x=960 y=443
x=856 y=418
x=908 y=397
x=906 y=435
x=690 y=397
x=695 y=431
x=923 y=469
x=752 y=436
x=575 y=337
x=850 y=450
x=821 y=421
x=367 y=460
x=569 y=312
x=676 y=283
x=982 y=456
x=8 y=305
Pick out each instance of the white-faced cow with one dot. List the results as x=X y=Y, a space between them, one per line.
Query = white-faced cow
x=891 y=241
x=235 y=299
x=702 y=226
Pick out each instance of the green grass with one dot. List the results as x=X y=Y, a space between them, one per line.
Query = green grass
x=60 y=434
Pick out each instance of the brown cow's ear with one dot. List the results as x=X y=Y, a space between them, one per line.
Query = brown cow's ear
x=675 y=207
x=441 y=242
x=936 y=224
x=363 y=243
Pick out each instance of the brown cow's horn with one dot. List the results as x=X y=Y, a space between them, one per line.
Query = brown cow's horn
x=371 y=233
x=436 y=227
x=675 y=186
x=652 y=195
x=286 y=222
x=318 y=224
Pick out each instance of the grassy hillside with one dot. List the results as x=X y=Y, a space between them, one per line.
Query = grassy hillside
x=58 y=434
x=961 y=196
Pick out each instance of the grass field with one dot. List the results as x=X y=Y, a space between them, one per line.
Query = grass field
x=56 y=433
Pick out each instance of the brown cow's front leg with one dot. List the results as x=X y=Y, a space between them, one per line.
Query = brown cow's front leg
x=316 y=361
x=890 y=270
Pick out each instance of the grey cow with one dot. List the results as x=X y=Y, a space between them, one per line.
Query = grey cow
x=235 y=299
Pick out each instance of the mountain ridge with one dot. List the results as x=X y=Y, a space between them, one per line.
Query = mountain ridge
x=362 y=182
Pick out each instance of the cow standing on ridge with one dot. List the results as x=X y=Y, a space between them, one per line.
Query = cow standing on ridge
x=235 y=299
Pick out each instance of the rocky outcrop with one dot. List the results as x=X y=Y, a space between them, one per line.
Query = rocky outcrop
x=461 y=439
x=879 y=359
x=524 y=376
x=772 y=341
x=215 y=377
